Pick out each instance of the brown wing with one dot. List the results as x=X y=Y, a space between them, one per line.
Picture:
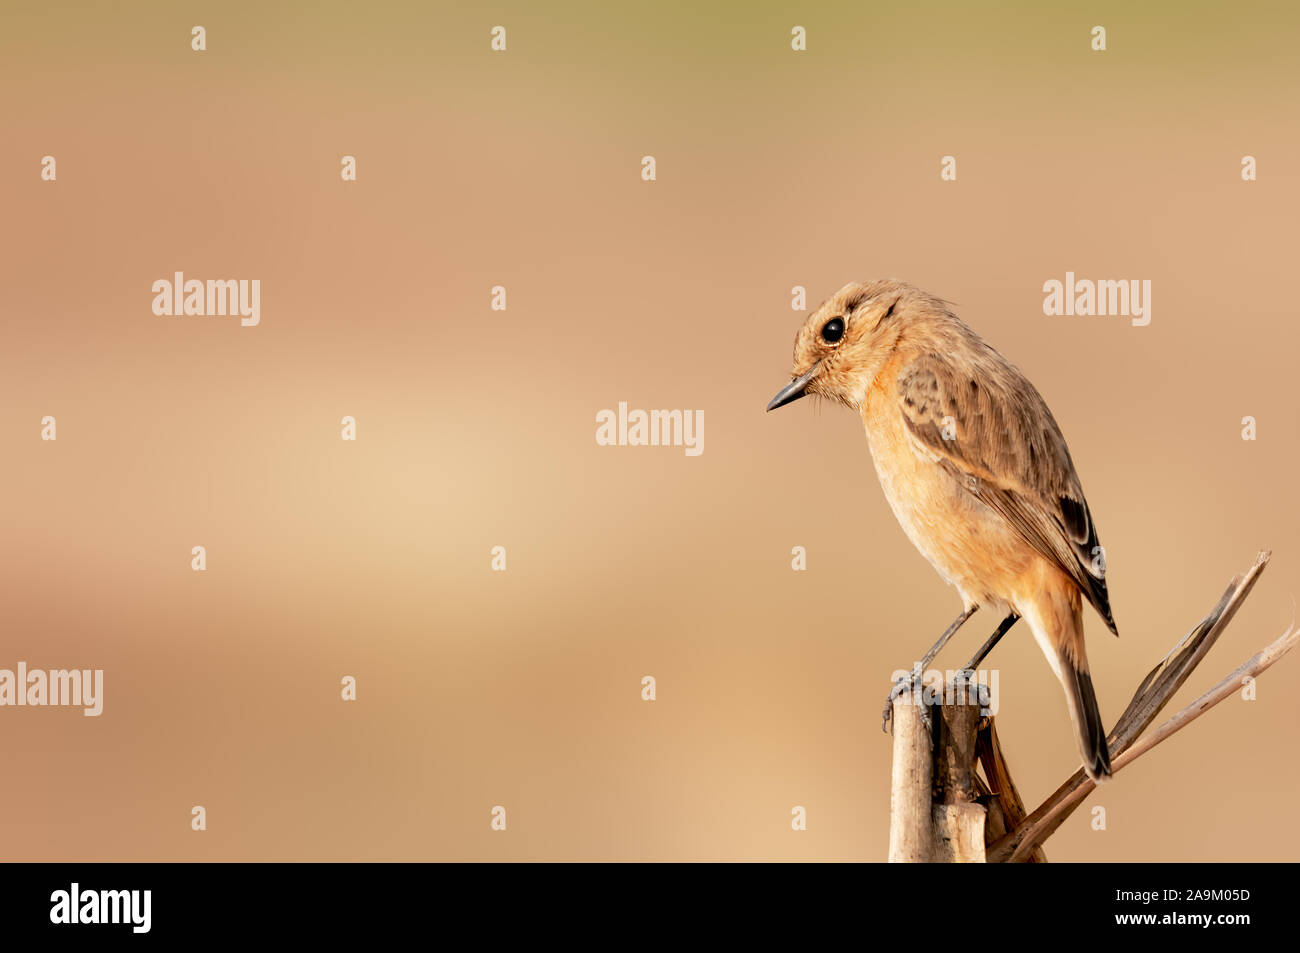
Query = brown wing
x=988 y=425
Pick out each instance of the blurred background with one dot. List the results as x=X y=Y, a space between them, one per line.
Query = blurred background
x=476 y=427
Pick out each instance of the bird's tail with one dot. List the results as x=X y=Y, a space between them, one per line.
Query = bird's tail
x=1057 y=624
x=1089 y=730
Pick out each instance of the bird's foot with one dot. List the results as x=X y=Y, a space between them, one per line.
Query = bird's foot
x=968 y=689
x=909 y=684
x=964 y=677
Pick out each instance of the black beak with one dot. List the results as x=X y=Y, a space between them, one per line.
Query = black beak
x=795 y=389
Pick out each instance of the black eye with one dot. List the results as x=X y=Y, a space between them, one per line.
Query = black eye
x=833 y=330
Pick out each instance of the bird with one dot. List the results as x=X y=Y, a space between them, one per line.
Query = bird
x=975 y=469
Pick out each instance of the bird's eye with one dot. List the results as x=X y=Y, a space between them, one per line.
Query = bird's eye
x=833 y=330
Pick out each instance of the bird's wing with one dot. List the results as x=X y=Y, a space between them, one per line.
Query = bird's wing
x=992 y=430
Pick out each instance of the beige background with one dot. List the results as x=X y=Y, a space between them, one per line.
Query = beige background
x=476 y=428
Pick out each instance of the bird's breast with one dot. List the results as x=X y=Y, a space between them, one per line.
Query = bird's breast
x=967 y=543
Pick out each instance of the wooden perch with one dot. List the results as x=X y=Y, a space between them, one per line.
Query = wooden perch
x=942 y=829
x=1006 y=811
x=936 y=811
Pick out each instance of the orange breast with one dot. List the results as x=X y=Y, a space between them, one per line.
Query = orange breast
x=967 y=543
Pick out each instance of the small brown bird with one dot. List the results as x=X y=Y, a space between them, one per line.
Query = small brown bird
x=975 y=469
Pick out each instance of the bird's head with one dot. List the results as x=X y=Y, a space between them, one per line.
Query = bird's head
x=843 y=346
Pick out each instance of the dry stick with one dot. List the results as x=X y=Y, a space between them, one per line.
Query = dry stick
x=958 y=817
x=1006 y=809
x=911 y=838
x=934 y=814
x=1250 y=668
x=1163 y=681
x=1151 y=697
x=954 y=754
x=1229 y=686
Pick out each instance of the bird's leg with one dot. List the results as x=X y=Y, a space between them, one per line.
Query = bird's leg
x=1003 y=627
x=966 y=676
x=908 y=682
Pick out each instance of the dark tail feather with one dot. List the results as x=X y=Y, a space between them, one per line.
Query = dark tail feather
x=1087 y=721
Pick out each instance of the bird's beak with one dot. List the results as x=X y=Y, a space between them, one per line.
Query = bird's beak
x=795 y=389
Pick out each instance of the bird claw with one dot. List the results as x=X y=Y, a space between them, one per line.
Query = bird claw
x=906 y=685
